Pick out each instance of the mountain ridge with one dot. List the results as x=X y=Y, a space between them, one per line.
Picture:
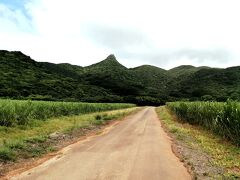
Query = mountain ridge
x=110 y=56
x=110 y=81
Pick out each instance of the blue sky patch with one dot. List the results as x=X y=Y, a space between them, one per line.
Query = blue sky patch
x=19 y=5
x=16 y=5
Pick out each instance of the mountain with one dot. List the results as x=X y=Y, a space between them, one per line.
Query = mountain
x=108 y=81
x=219 y=83
x=111 y=75
x=184 y=70
x=153 y=79
x=108 y=64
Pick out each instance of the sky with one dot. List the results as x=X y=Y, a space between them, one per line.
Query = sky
x=164 y=33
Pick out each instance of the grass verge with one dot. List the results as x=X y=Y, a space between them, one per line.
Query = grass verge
x=40 y=137
x=208 y=155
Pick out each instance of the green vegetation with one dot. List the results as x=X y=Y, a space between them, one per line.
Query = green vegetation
x=39 y=137
x=220 y=118
x=109 y=81
x=221 y=154
x=25 y=126
x=15 y=112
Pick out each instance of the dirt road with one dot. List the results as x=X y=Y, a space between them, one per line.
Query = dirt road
x=136 y=148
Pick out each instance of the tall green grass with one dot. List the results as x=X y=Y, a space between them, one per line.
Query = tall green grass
x=15 y=112
x=221 y=118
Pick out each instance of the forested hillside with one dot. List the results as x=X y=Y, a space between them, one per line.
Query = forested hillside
x=109 y=81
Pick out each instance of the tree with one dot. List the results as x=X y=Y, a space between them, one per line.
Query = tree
x=207 y=98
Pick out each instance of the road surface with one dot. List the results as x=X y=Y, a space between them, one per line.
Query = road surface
x=137 y=148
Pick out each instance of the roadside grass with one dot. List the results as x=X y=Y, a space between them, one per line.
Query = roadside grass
x=222 y=153
x=34 y=139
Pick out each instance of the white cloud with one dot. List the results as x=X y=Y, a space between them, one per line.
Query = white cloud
x=162 y=33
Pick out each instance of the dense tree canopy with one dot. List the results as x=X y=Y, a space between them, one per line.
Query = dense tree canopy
x=109 y=81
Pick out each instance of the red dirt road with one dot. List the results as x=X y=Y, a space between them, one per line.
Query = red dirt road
x=137 y=148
